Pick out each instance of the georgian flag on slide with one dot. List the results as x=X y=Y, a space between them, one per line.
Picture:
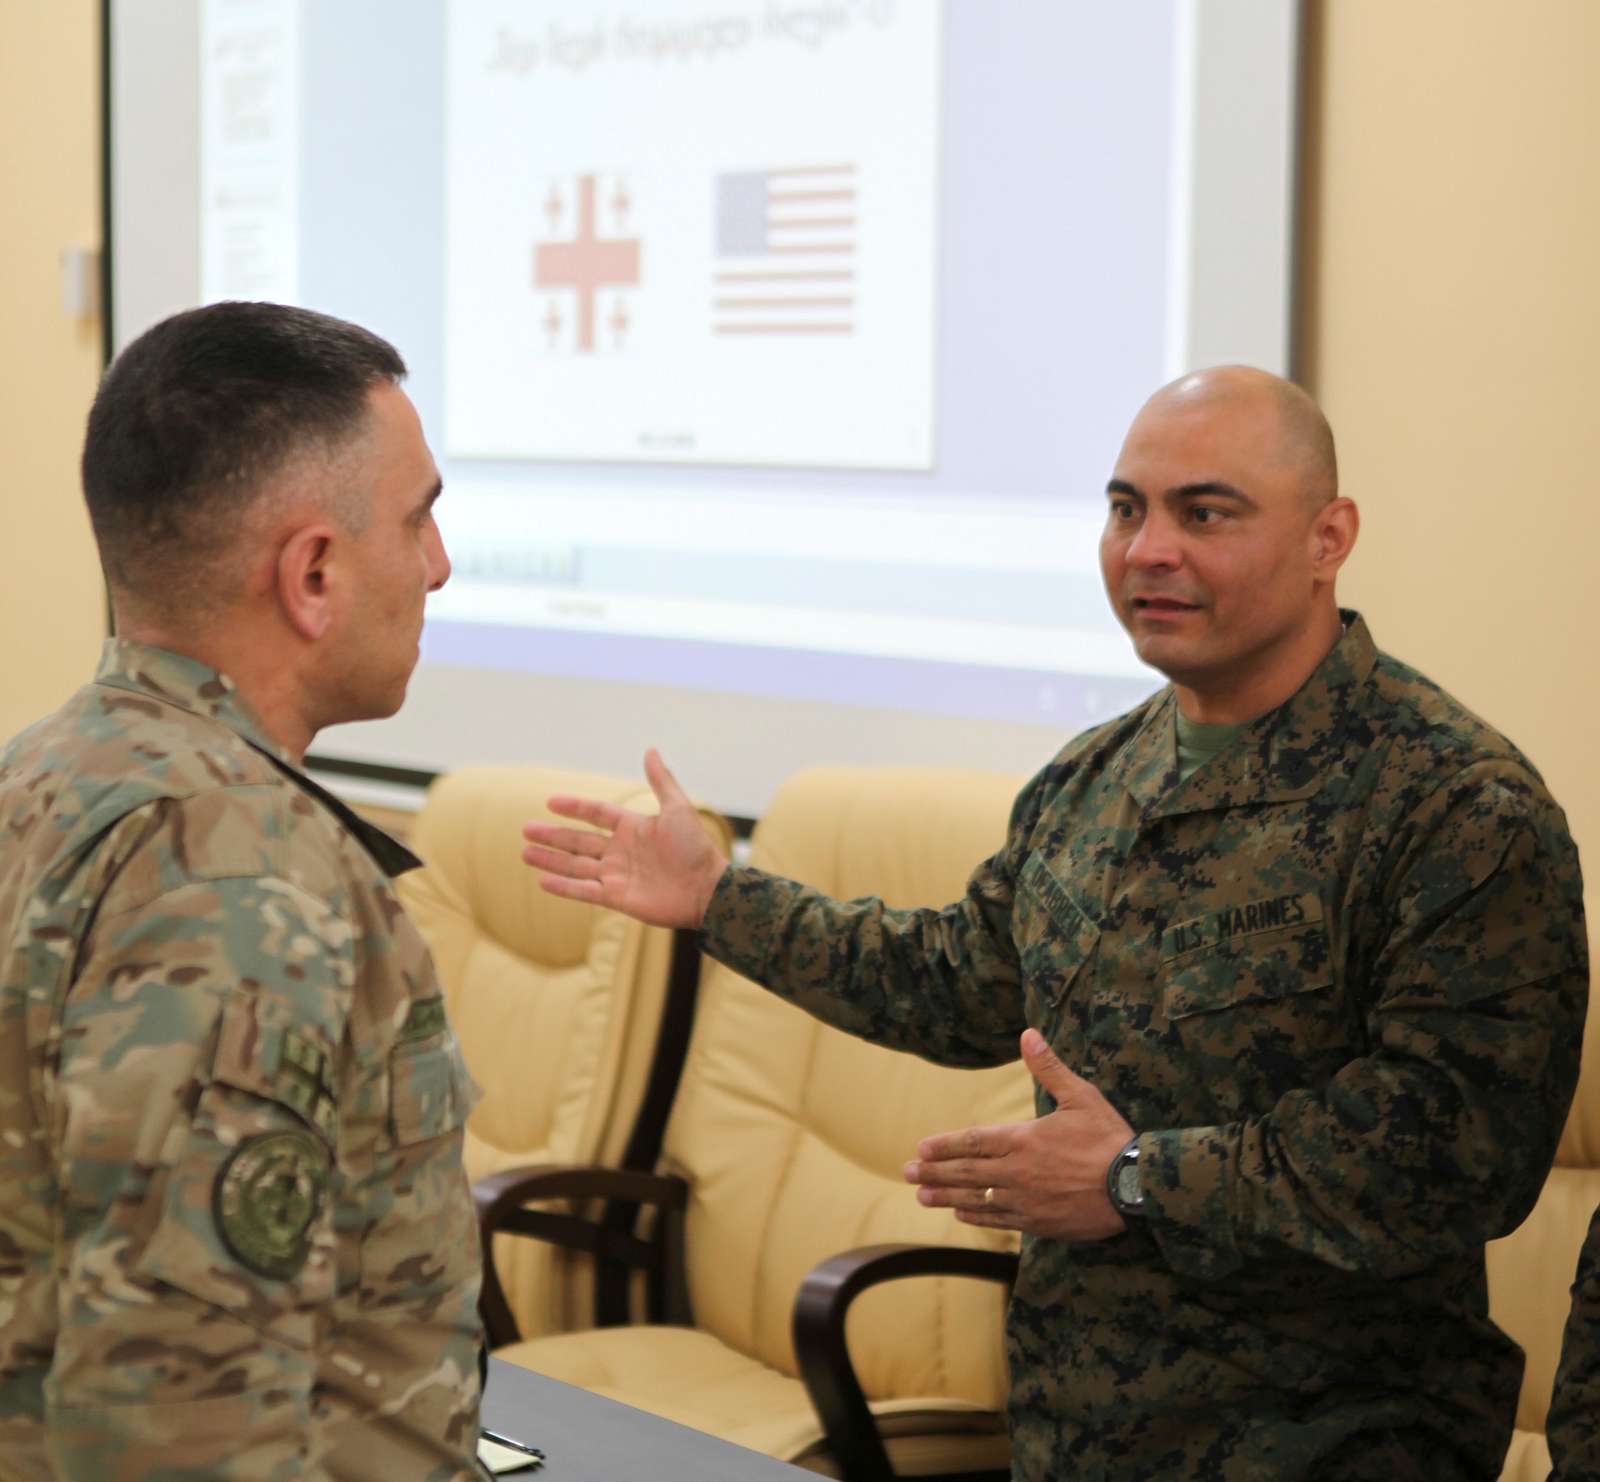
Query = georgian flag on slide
x=586 y=265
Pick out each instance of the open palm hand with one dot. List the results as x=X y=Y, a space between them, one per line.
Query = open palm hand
x=661 y=870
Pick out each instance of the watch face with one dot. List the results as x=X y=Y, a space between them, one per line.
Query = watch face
x=1130 y=1187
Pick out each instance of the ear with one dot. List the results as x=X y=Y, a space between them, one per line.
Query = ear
x=305 y=580
x=1333 y=535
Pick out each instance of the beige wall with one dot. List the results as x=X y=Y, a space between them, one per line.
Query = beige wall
x=1451 y=304
x=1450 y=323
x=51 y=603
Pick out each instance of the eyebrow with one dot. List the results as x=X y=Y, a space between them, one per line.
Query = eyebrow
x=427 y=501
x=1201 y=489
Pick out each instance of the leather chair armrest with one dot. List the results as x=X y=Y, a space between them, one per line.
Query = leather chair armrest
x=820 y=1306
x=501 y=1201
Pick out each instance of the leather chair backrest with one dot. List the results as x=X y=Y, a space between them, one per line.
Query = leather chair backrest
x=555 y=1003
x=793 y=1134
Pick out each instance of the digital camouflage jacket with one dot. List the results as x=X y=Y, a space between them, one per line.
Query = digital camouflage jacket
x=1336 y=980
x=1573 y=1428
x=235 y=1235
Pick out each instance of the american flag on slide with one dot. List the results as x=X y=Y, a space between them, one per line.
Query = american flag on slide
x=785 y=244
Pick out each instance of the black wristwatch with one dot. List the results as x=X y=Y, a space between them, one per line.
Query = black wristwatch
x=1124 y=1180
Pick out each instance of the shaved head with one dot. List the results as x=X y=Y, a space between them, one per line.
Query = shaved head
x=1225 y=531
x=1305 y=441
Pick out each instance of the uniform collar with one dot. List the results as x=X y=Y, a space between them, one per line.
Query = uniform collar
x=175 y=679
x=1276 y=757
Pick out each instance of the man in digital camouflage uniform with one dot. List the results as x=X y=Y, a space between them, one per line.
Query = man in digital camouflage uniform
x=1573 y=1425
x=236 y=1240
x=1295 y=952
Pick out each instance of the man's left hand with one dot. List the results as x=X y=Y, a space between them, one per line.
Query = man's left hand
x=1045 y=1177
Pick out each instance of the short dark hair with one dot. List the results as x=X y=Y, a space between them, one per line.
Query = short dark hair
x=198 y=413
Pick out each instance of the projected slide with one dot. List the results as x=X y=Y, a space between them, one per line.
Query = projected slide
x=678 y=235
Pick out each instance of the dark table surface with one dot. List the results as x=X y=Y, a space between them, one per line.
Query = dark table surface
x=589 y=1439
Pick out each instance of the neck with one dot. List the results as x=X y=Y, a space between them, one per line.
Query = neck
x=1245 y=697
x=265 y=678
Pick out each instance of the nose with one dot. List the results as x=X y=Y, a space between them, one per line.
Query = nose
x=438 y=559
x=1155 y=544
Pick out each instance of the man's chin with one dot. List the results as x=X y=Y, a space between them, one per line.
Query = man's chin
x=1166 y=654
x=393 y=701
x=374 y=706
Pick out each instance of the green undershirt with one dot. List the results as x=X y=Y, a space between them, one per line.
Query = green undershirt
x=1197 y=744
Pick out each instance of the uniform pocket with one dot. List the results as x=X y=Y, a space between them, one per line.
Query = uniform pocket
x=1260 y=1016
x=430 y=1089
x=1055 y=939
x=245 y=1218
x=420 y=1248
x=1259 y=969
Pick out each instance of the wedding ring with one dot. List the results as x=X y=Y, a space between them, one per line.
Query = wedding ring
x=988 y=1196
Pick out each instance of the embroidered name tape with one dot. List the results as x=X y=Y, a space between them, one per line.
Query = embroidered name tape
x=1235 y=921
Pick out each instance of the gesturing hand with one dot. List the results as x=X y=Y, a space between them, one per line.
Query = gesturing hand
x=660 y=870
x=1047 y=1176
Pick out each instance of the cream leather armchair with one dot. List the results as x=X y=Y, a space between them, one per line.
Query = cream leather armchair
x=785 y=1150
x=557 y=1006
x=1531 y=1270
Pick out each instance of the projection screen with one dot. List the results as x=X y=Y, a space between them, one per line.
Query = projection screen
x=774 y=354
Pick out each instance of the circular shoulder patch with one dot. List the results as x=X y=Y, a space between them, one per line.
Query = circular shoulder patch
x=266 y=1199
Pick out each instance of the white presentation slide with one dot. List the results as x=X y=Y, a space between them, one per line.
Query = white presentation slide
x=677 y=235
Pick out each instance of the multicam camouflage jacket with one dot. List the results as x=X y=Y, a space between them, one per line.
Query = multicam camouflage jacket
x=1573 y=1427
x=235 y=1235
x=1336 y=980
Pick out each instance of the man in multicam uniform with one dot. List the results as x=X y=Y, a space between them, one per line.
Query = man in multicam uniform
x=236 y=1240
x=1295 y=952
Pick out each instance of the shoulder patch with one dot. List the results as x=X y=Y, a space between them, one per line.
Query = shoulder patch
x=266 y=1199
